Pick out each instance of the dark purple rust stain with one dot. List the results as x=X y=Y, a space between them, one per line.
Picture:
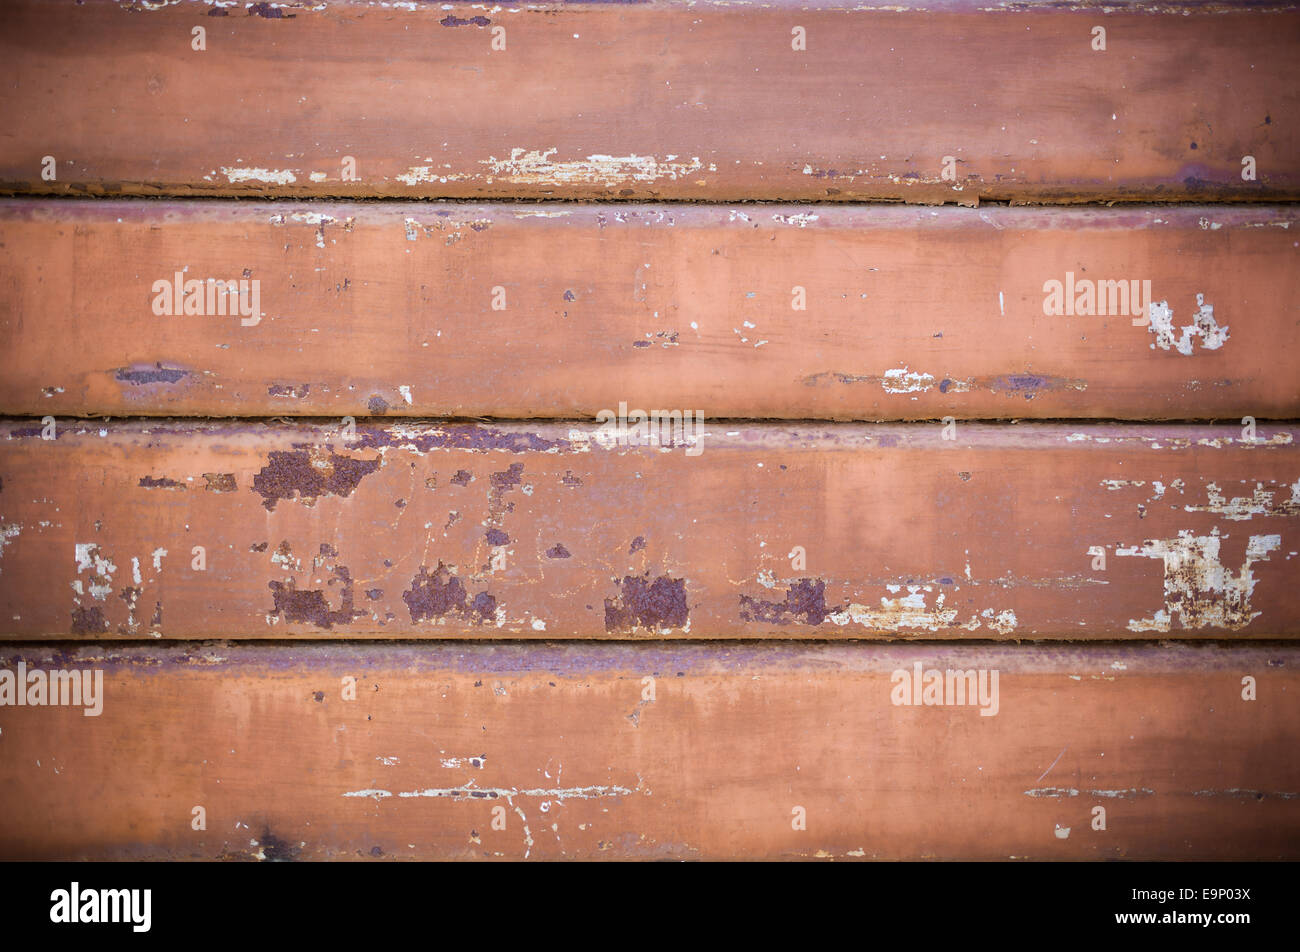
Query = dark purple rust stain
x=310 y=475
x=643 y=603
x=499 y=484
x=805 y=602
x=569 y=479
x=441 y=593
x=268 y=12
x=220 y=482
x=29 y=431
x=155 y=374
x=640 y=343
x=378 y=406
x=257 y=547
x=557 y=551
x=156 y=620
x=374 y=594
x=318 y=696
x=88 y=621
x=570 y=296
x=637 y=544
x=310 y=606
x=218 y=12
x=462 y=478
x=458 y=437
x=159 y=482
x=507 y=478
x=1026 y=385
x=450 y=20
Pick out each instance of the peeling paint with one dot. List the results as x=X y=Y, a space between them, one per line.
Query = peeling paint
x=536 y=167
x=1203 y=326
x=309 y=475
x=658 y=605
x=236 y=176
x=1240 y=508
x=1197 y=587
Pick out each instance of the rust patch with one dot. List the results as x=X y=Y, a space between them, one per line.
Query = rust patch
x=160 y=482
x=269 y=12
x=310 y=606
x=440 y=593
x=462 y=478
x=309 y=474
x=88 y=621
x=804 y=602
x=507 y=479
x=131 y=596
x=457 y=437
x=557 y=551
x=450 y=20
x=220 y=482
x=499 y=484
x=286 y=390
x=155 y=374
x=642 y=603
x=377 y=405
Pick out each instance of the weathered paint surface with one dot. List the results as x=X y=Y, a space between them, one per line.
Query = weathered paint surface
x=190 y=530
x=682 y=101
x=686 y=751
x=902 y=312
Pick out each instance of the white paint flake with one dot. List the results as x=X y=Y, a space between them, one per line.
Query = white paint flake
x=269 y=176
x=1181 y=339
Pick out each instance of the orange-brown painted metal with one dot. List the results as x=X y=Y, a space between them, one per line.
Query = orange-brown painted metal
x=191 y=530
x=681 y=101
x=649 y=751
x=519 y=310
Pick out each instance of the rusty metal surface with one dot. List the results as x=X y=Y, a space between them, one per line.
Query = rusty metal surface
x=393 y=309
x=276 y=530
x=651 y=101
x=654 y=751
